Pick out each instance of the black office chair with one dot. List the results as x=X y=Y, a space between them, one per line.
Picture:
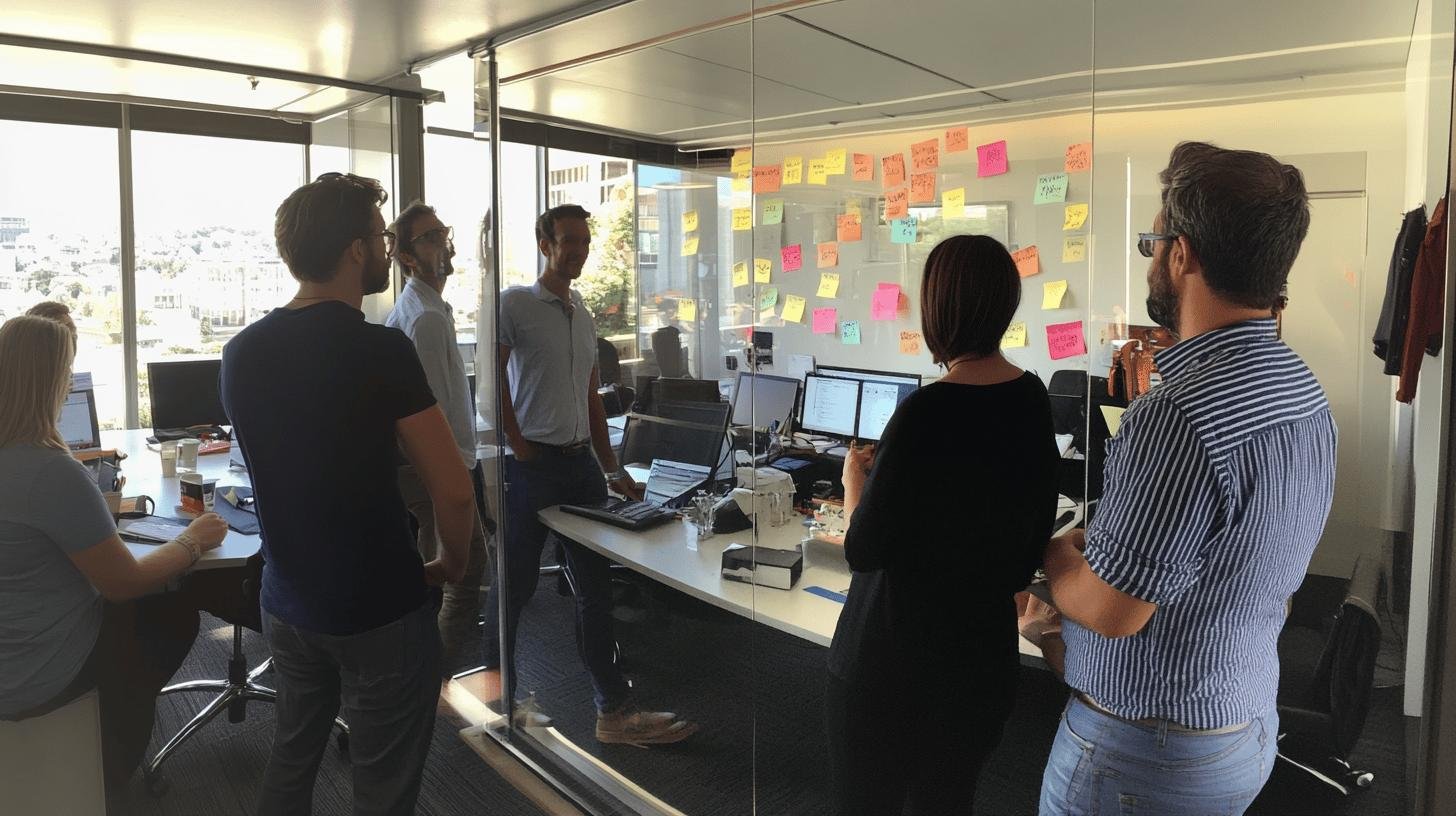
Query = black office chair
x=617 y=398
x=1327 y=654
x=671 y=356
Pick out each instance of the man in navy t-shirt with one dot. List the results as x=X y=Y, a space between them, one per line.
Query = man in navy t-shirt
x=321 y=402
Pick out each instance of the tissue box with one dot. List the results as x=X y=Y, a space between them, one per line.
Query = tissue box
x=779 y=569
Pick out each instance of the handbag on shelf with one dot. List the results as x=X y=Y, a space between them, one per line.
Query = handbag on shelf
x=1132 y=369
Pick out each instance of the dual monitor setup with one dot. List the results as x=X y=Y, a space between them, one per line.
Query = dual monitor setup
x=184 y=395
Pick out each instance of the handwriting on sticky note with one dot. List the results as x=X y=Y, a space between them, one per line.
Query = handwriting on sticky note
x=957 y=140
x=1065 y=340
x=825 y=320
x=768 y=297
x=1074 y=249
x=740 y=274
x=794 y=170
x=953 y=203
x=922 y=188
x=766 y=178
x=828 y=255
x=690 y=221
x=834 y=161
x=892 y=170
x=742 y=161
x=1052 y=293
x=910 y=342
x=818 y=172
x=885 y=303
x=687 y=310
x=1079 y=158
x=849 y=332
x=792 y=257
x=762 y=270
x=742 y=219
x=1074 y=216
x=1050 y=187
x=1015 y=336
x=925 y=155
x=903 y=231
x=689 y=245
x=828 y=285
x=741 y=184
x=773 y=211
x=864 y=167
x=897 y=203
x=1028 y=261
x=794 y=309
x=847 y=227
x=991 y=159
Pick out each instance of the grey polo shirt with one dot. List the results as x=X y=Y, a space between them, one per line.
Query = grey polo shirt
x=552 y=358
x=423 y=315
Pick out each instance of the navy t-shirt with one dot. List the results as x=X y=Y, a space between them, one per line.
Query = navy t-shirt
x=313 y=395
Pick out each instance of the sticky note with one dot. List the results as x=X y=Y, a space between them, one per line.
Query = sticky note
x=1028 y=261
x=794 y=309
x=742 y=219
x=741 y=184
x=765 y=316
x=762 y=270
x=885 y=303
x=991 y=159
x=773 y=211
x=1079 y=158
x=1074 y=249
x=1065 y=340
x=849 y=332
x=925 y=155
x=864 y=167
x=766 y=178
x=1074 y=216
x=825 y=320
x=953 y=203
x=910 y=342
x=957 y=140
x=1052 y=293
x=903 y=231
x=1050 y=187
x=740 y=274
x=689 y=245
x=690 y=221
x=828 y=285
x=687 y=310
x=768 y=297
x=847 y=227
x=897 y=203
x=834 y=161
x=828 y=255
x=742 y=161
x=792 y=257
x=818 y=172
x=1015 y=336
x=922 y=188
x=793 y=170
x=892 y=170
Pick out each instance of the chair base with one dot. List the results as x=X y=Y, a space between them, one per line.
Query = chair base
x=1335 y=772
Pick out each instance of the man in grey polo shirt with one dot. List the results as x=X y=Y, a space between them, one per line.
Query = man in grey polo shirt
x=424 y=249
x=553 y=420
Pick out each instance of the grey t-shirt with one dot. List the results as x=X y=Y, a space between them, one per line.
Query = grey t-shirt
x=552 y=358
x=49 y=612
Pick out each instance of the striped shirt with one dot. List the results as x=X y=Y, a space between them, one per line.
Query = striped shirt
x=1218 y=484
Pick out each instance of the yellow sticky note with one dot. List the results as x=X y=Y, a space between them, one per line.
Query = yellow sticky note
x=689 y=245
x=794 y=170
x=818 y=173
x=851 y=207
x=1052 y=293
x=794 y=309
x=690 y=221
x=828 y=285
x=910 y=342
x=1074 y=216
x=1074 y=249
x=1015 y=336
x=834 y=161
x=762 y=270
x=740 y=274
x=953 y=203
x=742 y=161
x=687 y=310
x=742 y=184
x=742 y=218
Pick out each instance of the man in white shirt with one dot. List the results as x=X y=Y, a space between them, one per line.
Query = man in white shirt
x=423 y=256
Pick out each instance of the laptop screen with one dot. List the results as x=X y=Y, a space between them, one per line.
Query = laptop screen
x=77 y=422
x=669 y=481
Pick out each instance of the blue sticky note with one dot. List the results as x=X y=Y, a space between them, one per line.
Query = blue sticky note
x=826 y=593
x=902 y=231
x=849 y=332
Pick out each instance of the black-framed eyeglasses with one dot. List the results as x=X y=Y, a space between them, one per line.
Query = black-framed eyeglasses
x=447 y=233
x=1146 y=240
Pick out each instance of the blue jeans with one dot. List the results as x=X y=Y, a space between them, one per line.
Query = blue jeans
x=1103 y=766
x=554 y=478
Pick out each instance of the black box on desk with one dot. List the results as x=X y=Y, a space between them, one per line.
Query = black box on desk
x=764 y=566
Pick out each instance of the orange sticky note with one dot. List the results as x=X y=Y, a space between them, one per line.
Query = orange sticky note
x=922 y=188
x=766 y=178
x=1028 y=262
x=897 y=204
x=1079 y=158
x=892 y=170
x=957 y=140
x=864 y=167
x=848 y=227
x=925 y=155
x=793 y=170
x=910 y=342
x=828 y=255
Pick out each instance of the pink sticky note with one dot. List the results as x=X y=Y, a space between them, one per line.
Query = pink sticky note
x=825 y=320
x=991 y=159
x=1065 y=340
x=886 y=302
x=793 y=257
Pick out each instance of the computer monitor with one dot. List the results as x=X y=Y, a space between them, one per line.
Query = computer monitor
x=77 y=422
x=685 y=390
x=877 y=402
x=845 y=373
x=760 y=399
x=831 y=405
x=680 y=435
x=184 y=394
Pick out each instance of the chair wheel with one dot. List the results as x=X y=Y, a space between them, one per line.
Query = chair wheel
x=1360 y=779
x=342 y=741
x=158 y=784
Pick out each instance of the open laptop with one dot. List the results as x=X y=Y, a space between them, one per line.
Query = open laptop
x=77 y=423
x=669 y=485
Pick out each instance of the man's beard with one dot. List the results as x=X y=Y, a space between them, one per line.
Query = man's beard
x=444 y=268
x=1163 y=303
x=376 y=275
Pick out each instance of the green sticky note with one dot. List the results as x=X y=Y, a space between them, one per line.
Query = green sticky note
x=849 y=332
x=768 y=297
x=902 y=231
x=773 y=211
x=1050 y=188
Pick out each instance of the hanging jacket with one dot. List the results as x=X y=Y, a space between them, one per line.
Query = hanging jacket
x=1390 y=330
x=1427 y=304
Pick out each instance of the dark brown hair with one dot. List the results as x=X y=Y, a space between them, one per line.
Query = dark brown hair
x=318 y=221
x=403 y=228
x=546 y=222
x=968 y=296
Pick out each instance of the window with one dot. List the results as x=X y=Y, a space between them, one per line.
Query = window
x=457 y=185
x=608 y=284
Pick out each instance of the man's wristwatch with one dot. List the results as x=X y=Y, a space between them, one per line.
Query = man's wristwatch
x=619 y=473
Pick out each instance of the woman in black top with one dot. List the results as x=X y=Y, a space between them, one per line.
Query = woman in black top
x=948 y=519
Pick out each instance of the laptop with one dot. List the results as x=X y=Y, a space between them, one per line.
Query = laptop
x=669 y=485
x=77 y=423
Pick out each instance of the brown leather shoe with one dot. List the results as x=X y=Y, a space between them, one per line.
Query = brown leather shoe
x=630 y=726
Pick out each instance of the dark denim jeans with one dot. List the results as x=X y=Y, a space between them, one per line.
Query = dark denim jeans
x=554 y=478
x=388 y=682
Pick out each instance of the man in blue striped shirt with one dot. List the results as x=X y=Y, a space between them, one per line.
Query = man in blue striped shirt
x=1217 y=489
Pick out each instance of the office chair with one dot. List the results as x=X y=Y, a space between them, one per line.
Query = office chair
x=1327 y=657
x=617 y=398
x=668 y=349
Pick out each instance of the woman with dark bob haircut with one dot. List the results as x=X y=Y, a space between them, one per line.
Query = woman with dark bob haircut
x=948 y=518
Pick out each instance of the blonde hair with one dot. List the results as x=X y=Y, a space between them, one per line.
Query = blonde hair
x=35 y=377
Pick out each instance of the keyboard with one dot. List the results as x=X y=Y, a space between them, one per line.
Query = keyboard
x=629 y=515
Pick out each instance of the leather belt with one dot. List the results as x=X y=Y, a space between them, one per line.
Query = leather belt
x=1155 y=722
x=569 y=448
